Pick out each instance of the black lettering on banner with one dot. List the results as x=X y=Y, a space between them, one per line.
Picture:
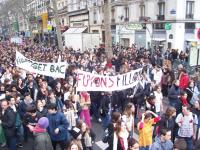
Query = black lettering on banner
x=61 y=68
x=56 y=69
x=34 y=65
x=52 y=68
x=118 y=81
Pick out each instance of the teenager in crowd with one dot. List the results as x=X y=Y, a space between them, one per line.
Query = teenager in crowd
x=145 y=127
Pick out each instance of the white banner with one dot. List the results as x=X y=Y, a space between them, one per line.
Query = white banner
x=56 y=70
x=92 y=82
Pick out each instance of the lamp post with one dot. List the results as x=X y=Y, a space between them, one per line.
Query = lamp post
x=57 y=22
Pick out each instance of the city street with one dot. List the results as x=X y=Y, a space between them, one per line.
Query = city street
x=97 y=128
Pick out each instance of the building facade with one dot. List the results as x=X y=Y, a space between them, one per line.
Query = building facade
x=78 y=13
x=165 y=23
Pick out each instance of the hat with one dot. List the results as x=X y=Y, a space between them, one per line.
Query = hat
x=43 y=122
x=75 y=132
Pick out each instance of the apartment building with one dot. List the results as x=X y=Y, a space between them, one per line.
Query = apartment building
x=78 y=13
x=164 y=23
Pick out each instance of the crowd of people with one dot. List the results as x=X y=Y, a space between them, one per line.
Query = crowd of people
x=49 y=112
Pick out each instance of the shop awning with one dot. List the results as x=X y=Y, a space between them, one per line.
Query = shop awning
x=159 y=39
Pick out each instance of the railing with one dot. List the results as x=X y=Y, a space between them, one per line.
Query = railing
x=160 y=17
x=189 y=16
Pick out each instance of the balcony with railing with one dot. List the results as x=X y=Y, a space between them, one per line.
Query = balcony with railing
x=189 y=16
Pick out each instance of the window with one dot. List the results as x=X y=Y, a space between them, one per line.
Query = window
x=95 y=17
x=126 y=13
x=161 y=8
x=113 y=13
x=189 y=25
x=159 y=26
x=142 y=10
x=189 y=9
x=63 y=21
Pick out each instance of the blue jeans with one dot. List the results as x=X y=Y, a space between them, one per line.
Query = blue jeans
x=11 y=142
x=20 y=134
x=144 y=148
x=95 y=110
x=106 y=121
x=189 y=142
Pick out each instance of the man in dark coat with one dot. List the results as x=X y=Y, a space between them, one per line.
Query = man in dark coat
x=8 y=123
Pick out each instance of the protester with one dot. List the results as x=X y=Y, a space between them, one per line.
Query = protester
x=174 y=95
x=183 y=77
x=180 y=144
x=88 y=136
x=133 y=144
x=187 y=122
x=116 y=116
x=146 y=129
x=18 y=122
x=128 y=118
x=158 y=99
x=8 y=118
x=120 y=140
x=70 y=113
x=85 y=104
x=34 y=93
x=74 y=145
x=58 y=126
x=163 y=141
x=168 y=121
x=42 y=139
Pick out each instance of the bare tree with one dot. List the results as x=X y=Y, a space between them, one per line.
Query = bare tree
x=107 y=24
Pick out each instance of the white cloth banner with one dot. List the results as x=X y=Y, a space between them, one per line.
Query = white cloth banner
x=56 y=70
x=92 y=82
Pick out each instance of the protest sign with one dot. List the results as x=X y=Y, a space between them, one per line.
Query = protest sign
x=92 y=82
x=56 y=70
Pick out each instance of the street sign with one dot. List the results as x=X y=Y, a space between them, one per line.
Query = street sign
x=134 y=26
x=168 y=26
x=173 y=12
x=198 y=33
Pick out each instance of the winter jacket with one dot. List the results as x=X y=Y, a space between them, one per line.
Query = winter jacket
x=87 y=139
x=104 y=106
x=159 y=145
x=42 y=113
x=174 y=93
x=58 y=120
x=42 y=141
x=8 y=122
x=184 y=79
x=23 y=108
x=168 y=123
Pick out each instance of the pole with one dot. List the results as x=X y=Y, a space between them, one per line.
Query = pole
x=58 y=31
x=198 y=57
x=107 y=23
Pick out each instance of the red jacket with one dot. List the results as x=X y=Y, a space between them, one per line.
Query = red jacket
x=184 y=79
